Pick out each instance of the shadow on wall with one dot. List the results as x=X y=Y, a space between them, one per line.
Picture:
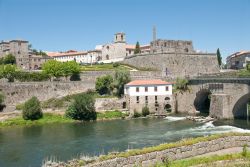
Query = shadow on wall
x=240 y=107
x=202 y=101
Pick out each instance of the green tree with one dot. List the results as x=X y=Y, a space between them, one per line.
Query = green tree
x=53 y=68
x=181 y=85
x=82 y=108
x=103 y=84
x=248 y=67
x=121 y=78
x=137 y=48
x=1 y=101
x=145 y=111
x=32 y=109
x=9 y=59
x=219 y=58
x=70 y=68
x=8 y=71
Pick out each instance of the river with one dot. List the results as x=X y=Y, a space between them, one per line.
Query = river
x=29 y=146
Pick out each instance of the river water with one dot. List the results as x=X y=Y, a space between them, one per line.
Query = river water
x=29 y=146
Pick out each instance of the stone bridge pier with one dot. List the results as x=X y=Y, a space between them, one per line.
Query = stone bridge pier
x=228 y=97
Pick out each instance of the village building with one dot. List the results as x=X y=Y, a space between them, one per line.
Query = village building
x=238 y=60
x=155 y=94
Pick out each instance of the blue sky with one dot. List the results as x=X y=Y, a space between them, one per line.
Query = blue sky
x=59 y=25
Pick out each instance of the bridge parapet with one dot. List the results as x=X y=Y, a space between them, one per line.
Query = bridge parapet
x=196 y=81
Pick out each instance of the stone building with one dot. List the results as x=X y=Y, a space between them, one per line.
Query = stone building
x=238 y=60
x=25 y=59
x=155 y=94
x=176 y=46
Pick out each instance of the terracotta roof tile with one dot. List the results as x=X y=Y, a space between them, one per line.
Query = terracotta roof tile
x=148 y=82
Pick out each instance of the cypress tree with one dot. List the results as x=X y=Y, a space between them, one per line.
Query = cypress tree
x=219 y=58
x=137 y=48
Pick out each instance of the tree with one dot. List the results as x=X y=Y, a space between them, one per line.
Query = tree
x=8 y=71
x=83 y=108
x=53 y=68
x=1 y=101
x=121 y=78
x=32 y=109
x=70 y=68
x=248 y=67
x=181 y=85
x=137 y=48
x=219 y=58
x=9 y=59
x=145 y=111
x=103 y=84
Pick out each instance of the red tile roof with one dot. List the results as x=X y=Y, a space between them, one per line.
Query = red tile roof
x=148 y=82
x=71 y=53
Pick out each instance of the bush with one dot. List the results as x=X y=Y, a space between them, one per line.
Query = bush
x=32 y=109
x=145 y=111
x=83 y=108
x=1 y=101
x=136 y=114
x=103 y=84
x=244 y=151
x=31 y=76
x=116 y=64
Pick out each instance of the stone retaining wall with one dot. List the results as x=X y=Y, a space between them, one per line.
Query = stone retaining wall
x=105 y=104
x=182 y=152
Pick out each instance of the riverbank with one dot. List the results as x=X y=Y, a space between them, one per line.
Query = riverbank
x=164 y=153
x=55 y=117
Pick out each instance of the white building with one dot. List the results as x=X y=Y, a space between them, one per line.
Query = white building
x=156 y=94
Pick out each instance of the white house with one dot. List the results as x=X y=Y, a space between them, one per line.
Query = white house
x=155 y=94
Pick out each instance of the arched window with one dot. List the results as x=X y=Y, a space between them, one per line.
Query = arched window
x=167 y=98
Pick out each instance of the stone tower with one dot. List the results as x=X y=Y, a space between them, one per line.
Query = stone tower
x=120 y=37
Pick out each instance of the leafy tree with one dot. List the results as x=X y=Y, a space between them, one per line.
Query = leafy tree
x=219 y=58
x=145 y=111
x=8 y=71
x=137 y=48
x=181 y=85
x=1 y=101
x=32 y=109
x=53 y=68
x=9 y=59
x=1 y=60
x=83 y=108
x=103 y=84
x=248 y=67
x=70 y=68
x=121 y=78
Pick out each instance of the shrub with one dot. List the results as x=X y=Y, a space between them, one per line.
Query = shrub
x=181 y=85
x=244 y=151
x=32 y=109
x=116 y=64
x=83 y=108
x=1 y=101
x=103 y=84
x=136 y=114
x=145 y=111
x=31 y=76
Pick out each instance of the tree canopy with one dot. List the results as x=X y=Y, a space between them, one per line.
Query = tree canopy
x=8 y=59
x=103 y=84
x=8 y=71
x=219 y=58
x=137 y=48
x=121 y=78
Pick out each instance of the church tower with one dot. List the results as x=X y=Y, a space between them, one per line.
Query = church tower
x=120 y=37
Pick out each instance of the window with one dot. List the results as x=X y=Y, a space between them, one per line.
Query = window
x=166 y=88
x=137 y=89
x=155 y=98
x=155 y=88
x=146 y=89
x=146 y=99
x=137 y=99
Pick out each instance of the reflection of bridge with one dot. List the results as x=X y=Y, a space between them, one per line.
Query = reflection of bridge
x=229 y=96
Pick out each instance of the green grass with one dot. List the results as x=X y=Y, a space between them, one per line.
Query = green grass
x=104 y=67
x=205 y=160
x=47 y=118
x=111 y=115
x=243 y=73
x=165 y=146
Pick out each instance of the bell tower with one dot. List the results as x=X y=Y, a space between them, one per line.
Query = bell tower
x=120 y=37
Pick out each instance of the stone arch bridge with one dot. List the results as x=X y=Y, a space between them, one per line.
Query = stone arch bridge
x=228 y=97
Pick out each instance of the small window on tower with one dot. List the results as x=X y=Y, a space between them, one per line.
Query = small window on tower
x=122 y=37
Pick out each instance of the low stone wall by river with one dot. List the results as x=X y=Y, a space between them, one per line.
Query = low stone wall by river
x=182 y=152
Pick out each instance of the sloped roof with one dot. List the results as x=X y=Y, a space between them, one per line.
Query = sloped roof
x=148 y=82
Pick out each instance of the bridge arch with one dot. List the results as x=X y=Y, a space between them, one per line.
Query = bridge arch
x=202 y=100
x=240 y=107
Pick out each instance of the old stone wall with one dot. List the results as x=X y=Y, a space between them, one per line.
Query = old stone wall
x=16 y=93
x=105 y=104
x=176 y=64
x=150 y=159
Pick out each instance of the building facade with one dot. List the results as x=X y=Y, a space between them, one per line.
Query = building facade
x=238 y=60
x=155 y=94
x=25 y=59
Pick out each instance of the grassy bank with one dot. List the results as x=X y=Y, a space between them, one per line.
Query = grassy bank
x=209 y=161
x=104 y=67
x=57 y=118
x=47 y=118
